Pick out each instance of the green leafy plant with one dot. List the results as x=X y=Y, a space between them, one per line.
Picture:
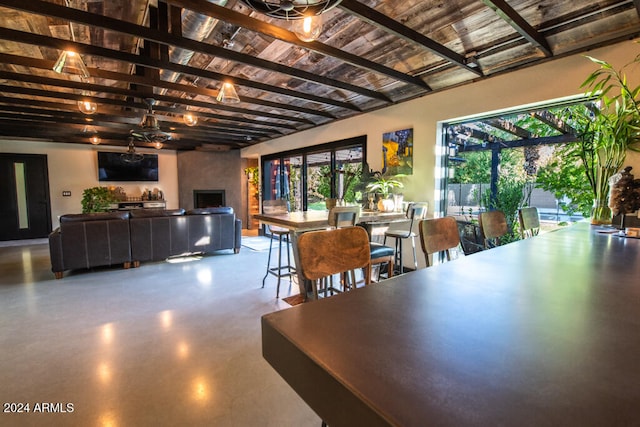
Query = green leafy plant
x=97 y=199
x=384 y=185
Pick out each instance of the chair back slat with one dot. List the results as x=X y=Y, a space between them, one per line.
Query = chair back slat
x=493 y=225
x=438 y=235
x=327 y=252
x=529 y=222
x=344 y=216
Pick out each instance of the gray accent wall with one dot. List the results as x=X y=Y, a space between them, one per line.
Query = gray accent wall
x=205 y=170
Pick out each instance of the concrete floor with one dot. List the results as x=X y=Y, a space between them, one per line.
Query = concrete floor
x=166 y=344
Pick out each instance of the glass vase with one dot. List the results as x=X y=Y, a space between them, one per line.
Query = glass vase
x=600 y=213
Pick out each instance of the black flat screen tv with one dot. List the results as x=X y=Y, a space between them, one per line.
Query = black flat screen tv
x=112 y=167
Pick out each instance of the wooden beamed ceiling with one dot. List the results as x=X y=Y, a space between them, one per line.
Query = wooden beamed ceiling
x=371 y=54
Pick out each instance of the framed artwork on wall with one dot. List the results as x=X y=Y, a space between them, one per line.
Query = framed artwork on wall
x=397 y=152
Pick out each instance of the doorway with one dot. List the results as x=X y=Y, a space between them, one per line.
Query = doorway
x=25 y=209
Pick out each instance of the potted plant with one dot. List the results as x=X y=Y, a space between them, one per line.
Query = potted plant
x=384 y=185
x=608 y=131
x=97 y=199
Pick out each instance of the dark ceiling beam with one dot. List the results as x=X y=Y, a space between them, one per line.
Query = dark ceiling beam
x=133 y=117
x=279 y=33
x=155 y=36
x=387 y=24
x=545 y=140
x=508 y=127
x=70 y=84
x=508 y=14
x=553 y=121
x=54 y=43
x=125 y=104
x=42 y=108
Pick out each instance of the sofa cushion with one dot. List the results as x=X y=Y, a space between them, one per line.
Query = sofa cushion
x=94 y=216
x=209 y=211
x=148 y=213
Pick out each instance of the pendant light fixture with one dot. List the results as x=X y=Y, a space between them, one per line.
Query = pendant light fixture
x=95 y=139
x=87 y=106
x=306 y=11
x=227 y=94
x=71 y=63
x=189 y=118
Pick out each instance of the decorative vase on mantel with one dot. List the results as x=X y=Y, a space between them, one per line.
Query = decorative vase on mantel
x=600 y=212
x=386 y=204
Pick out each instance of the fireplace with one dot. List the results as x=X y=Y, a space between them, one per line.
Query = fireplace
x=208 y=198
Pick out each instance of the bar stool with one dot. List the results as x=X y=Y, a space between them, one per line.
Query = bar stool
x=529 y=222
x=278 y=207
x=438 y=235
x=347 y=216
x=415 y=212
x=494 y=226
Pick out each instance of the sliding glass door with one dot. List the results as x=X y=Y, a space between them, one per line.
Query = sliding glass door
x=310 y=176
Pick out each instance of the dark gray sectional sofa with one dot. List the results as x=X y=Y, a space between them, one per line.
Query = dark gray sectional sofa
x=128 y=238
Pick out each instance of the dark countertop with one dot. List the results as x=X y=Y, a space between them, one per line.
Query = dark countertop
x=539 y=332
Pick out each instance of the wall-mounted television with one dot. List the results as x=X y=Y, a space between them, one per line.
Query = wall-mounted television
x=112 y=167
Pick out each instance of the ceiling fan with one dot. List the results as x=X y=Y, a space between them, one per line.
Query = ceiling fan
x=149 y=129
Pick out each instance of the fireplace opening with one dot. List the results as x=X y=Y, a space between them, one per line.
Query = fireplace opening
x=208 y=198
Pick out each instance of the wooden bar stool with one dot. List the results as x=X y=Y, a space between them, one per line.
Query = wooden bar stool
x=282 y=234
x=529 y=222
x=324 y=253
x=415 y=212
x=438 y=235
x=493 y=225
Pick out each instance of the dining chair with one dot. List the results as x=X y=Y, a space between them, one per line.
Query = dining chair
x=347 y=216
x=323 y=253
x=493 y=225
x=415 y=213
x=344 y=216
x=274 y=207
x=438 y=235
x=529 y=222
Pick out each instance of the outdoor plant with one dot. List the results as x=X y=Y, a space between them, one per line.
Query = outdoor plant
x=97 y=199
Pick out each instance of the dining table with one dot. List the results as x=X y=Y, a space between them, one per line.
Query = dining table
x=540 y=332
x=375 y=222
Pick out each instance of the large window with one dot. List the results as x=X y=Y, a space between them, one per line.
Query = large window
x=309 y=176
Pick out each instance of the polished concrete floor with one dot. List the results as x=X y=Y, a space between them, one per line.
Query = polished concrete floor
x=166 y=344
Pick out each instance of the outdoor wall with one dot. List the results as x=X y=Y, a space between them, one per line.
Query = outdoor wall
x=552 y=80
x=202 y=170
x=74 y=167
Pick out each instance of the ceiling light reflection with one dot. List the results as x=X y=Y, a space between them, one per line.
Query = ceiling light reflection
x=166 y=319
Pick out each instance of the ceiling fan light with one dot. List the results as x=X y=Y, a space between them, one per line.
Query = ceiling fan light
x=158 y=145
x=70 y=62
x=227 y=94
x=95 y=140
x=87 y=107
x=307 y=29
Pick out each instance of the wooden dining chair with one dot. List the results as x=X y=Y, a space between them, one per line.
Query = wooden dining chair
x=324 y=253
x=438 y=235
x=529 y=222
x=344 y=216
x=347 y=216
x=493 y=225
x=278 y=206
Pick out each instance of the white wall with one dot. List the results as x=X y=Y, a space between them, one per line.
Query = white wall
x=74 y=167
x=554 y=79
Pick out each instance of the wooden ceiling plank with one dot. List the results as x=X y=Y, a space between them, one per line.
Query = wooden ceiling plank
x=506 y=12
x=140 y=80
x=155 y=36
x=382 y=21
x=125 y=92
x=39 y=40
x=279 y=33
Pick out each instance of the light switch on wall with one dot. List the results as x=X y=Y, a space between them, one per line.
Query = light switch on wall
x=66 y=193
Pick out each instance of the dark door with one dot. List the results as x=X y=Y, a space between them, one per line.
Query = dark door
x=25 y=212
